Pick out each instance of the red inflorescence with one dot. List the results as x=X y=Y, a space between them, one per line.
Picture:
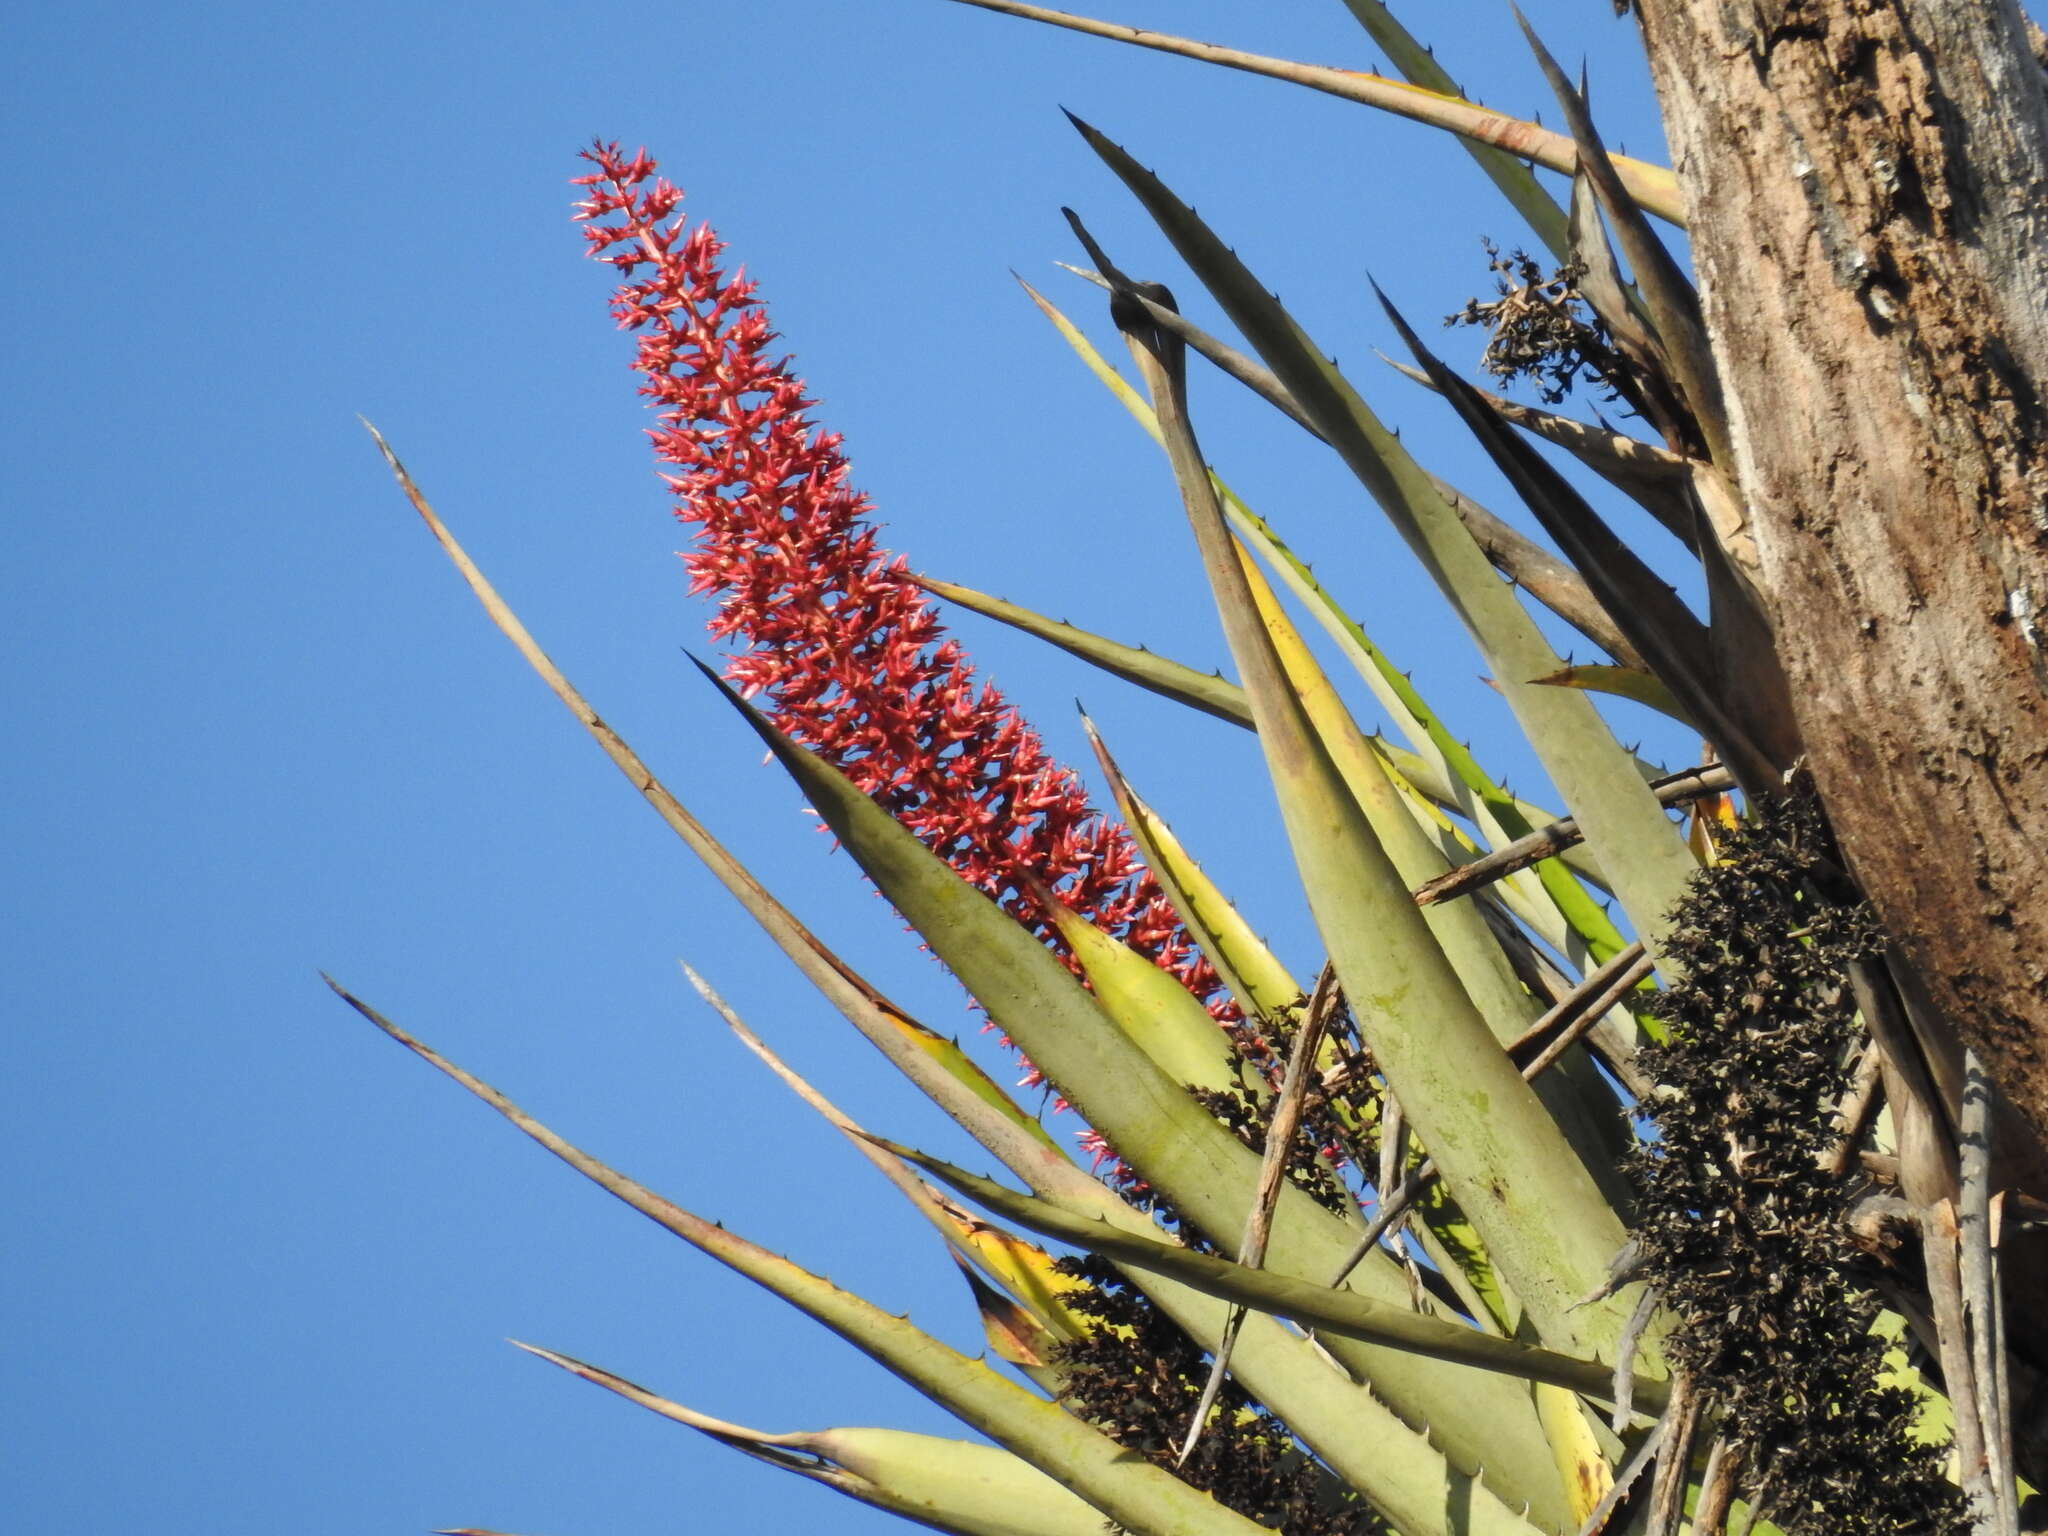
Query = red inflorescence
x=843 y=648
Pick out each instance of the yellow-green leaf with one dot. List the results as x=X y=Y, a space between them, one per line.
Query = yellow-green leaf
x=1151 y=1006
x=1580 y=1461
x=1536 y=1207
x=1249 y=969
x=1622 y=682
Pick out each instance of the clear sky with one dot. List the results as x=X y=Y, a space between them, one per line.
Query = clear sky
x=259 y=1262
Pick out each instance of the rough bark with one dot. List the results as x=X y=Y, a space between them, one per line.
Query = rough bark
x=1867 y=186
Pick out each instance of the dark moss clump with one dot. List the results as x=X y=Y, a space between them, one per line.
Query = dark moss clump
x=1336 y=1121
x=1742 y=1229
x=1137 y=1378
x=1338 y=1116
x=1244 y=1117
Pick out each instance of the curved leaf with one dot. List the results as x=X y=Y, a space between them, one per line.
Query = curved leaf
x=1653 y=186
x=1429 y=767
x=1550 y=900
x=1667 y=293
x=1023 y=1269
x=1517 y=183
x=1395 y=976
x=1580 y=1103
x=1654 y=478
x=1536 y=1207
x=1028 y=1274
x=1350 y=1428
x=936 y=1065
x=1656 y=620
x=1468 y=944
x=950 y=1485
x=1134 y=1493
x=1015 y=1334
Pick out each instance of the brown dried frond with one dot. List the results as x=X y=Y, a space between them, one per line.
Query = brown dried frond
x=1540 y=328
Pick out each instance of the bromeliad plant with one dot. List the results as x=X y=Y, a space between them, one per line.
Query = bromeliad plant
x=1526 y=1214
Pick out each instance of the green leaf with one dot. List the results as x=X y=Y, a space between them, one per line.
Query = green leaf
x=1576 y=1098
x=1134 y=1493
x=1248 y=371
x=1170 y=679
x=1026 y=1331
x=1468 y=943
x=1340 y=1313
x=1155 y=1127
x=1028 y=994
x=1549 y=899
x=1133 y=401
x=1506 y=1162
x=1538 y=572
x=1346 y=1424
x=1453 y=1244
x=1640 y=851
x=1021 y=1268
x=1429 y=768
x=1449 y=1237
x=1541 y=1215
x=949 y=1485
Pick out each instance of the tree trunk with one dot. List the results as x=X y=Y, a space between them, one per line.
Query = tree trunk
x=1867 y=188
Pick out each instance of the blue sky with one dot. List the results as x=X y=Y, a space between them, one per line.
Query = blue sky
x=261 y=1264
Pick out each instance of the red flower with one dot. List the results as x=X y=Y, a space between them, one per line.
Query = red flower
x=846 y=653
